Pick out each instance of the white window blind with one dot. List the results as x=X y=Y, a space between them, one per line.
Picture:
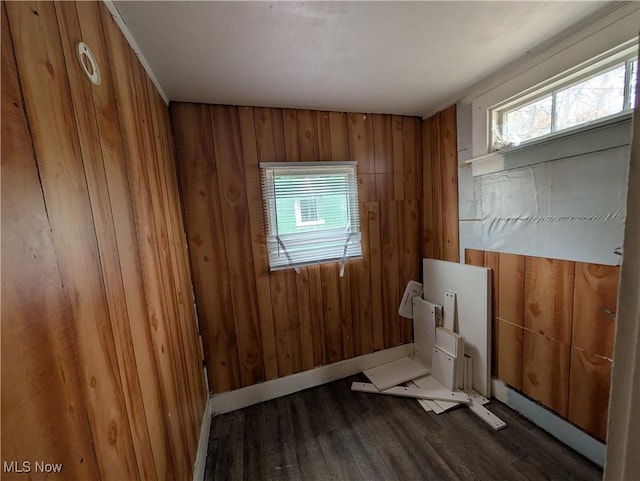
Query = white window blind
x=311 y=212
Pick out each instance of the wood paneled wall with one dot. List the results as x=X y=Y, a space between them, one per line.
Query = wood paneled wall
x=554 y=325
x=257 y=324
x=440 y=230
x=101 y=366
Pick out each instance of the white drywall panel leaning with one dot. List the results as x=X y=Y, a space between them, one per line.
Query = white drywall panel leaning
x=473 y=293
x=396 y=372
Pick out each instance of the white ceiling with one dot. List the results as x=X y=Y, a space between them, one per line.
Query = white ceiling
x=408 y=58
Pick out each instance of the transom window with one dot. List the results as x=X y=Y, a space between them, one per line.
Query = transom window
x=311 y=213
x=603 y=89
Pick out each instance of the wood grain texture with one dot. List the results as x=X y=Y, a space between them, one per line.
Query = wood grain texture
x=545 y=371
x=438 y=149
x=509 y=354
x=114 y=319
x=474 y=257
x=43 y=411
x=510 y=306
x=594 y=307
x=590 y=381
x=316 y=317
x=329 y=432
x=235 y=219
x=548 y=297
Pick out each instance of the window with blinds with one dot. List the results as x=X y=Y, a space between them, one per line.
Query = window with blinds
x=311 y=213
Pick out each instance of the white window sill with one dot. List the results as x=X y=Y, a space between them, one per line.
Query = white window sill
x=604 y=134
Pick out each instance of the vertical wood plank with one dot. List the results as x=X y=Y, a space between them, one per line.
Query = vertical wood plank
x=492 y=261
x=331 y=313
x=317 y=316
x=308 y=135
x=375 y=254
x=427 y=240
x=436 y=188
x=258 y=240
x=510 y=305
x=390 y=284
x=548 y=297
x=589 y=392
x=361 y=142
x=408 y=255
x=546 y=371
x=449 y=176
x=231 y=186
x=398 y=157
x=271 y=147
x=594 y=307
x=87 y=130
x=199 y=186
x=474 y=257
x=46 y=90
x=42 y=390
x=383 y=144
x=509 y=353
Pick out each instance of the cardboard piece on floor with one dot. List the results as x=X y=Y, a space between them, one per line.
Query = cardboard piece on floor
x=413 y=392
x=473 y=293
x=424 y=329
x=396 y=372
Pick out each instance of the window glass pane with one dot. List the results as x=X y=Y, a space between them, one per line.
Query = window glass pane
x=527 y=122
x=592 y=99
x=632 y=84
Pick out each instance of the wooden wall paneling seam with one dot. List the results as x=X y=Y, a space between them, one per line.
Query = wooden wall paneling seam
x=193 y=339
x=39 y=354
x=199 y=189
x=427 y=241
x=398 y=157
x=301 y=144
x=492 y=261
x=271 y=148
x=46 y=88
x=355 y=143
x=589 y=382
x=594 y=307
x=449 y=176
x=235 y=222
x=375 y=254
x=390 y=284
x=383 y=157
x=171 y=315
x=124 y=88
x=87 y=130
x=409 y=252
x=187 y=350
x=258 y=241
x=120 y=196
x=436 y=189
x=548 y=297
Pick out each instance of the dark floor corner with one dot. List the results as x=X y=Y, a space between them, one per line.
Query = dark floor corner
x=330 y=432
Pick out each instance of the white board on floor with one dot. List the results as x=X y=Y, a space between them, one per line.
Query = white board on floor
x=424 y=329
x=472 y=287
x=396 y=372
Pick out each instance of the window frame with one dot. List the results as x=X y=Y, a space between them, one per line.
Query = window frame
x=624 y=55
x=277 y=242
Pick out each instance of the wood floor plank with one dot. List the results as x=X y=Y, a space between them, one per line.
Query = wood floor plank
x=339 y=434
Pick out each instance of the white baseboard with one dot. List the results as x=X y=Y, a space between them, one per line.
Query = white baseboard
x=558 y=427
x=247 y=396
x=203 y=443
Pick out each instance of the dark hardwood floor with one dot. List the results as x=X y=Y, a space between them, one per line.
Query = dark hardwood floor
x=332 y=433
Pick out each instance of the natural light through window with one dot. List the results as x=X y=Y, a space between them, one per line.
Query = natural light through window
x=311 y=211
x=586 y=96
